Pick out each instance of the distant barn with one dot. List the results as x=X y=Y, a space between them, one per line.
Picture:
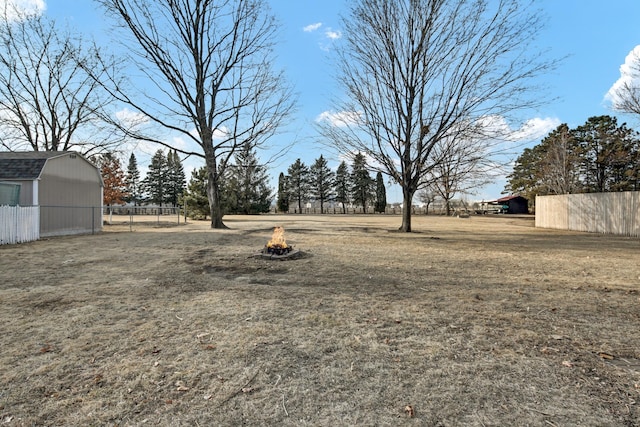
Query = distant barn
x=65 y=185
x=514 y=205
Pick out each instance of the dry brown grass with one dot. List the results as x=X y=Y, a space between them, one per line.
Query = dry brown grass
x=479 y=322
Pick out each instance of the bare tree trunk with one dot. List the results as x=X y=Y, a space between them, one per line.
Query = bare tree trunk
x=407 y=197
x=213 y=193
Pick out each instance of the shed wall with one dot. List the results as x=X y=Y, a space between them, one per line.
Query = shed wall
x=70 y=196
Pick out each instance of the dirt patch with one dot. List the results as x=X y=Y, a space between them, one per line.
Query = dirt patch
x=478 y=321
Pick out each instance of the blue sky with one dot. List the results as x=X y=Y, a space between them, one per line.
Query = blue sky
x=595 y=35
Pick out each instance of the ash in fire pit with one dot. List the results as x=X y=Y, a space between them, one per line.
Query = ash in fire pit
x=277 y=247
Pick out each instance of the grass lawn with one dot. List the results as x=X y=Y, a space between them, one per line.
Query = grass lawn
x=485 y=321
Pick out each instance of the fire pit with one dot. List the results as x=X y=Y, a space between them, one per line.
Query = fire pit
x=277 y=247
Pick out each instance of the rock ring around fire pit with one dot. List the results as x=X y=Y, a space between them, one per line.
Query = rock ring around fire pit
x=277 y=247
x=279 y=254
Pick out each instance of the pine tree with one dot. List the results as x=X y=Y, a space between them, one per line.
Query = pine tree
x=361 y=183
x=133 y=181
x=606 y=150
x=342 y=186
x=115 y=189
x=247 y=183
x=155 y=183
x=283 y=193
x=195 y=198
x=176 y=180
x=381 y=194
x=298 y=178
x=321 y=181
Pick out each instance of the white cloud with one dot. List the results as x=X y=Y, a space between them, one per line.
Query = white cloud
x=339 y=119
x=131 y=118
x=629 y=75
x=14 y=10
x=532 y=130
x=333 y=35
x=312 y=27
x=535 y=129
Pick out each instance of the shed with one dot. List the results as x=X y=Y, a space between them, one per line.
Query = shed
x=64 y=184
x=514 y=204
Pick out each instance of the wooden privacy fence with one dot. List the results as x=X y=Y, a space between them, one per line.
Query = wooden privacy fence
x=19 y=224
x=611 y=213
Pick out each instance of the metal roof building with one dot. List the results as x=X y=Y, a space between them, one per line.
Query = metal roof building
x=65 y=185
x=514 y=204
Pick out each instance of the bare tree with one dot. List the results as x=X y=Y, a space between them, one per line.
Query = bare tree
x=48 y=102
x=427 y=195
x=559 y=166
x=460 y=167
x=417 y=72
x=208 y=76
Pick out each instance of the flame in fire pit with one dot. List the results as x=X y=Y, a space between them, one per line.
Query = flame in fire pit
x=277 y=245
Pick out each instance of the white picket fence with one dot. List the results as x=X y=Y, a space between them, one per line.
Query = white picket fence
x=19 y=224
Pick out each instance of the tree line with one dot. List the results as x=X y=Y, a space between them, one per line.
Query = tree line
x=245 y=187
x=598 y=156
x=163 y=184
x=348 y=185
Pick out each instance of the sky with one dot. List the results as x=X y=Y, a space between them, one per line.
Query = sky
x=595 y=37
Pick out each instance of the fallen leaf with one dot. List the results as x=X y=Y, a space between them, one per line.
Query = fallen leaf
x=556 y=337
x=182 y=388
x=567 y=364
x=606 y=356
x=409 y=411
x=46 y=349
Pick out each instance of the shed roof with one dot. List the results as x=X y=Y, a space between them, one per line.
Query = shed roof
x=507 y=198
x=25 y=164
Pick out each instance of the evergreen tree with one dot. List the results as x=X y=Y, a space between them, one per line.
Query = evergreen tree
x=283 y=194
x=115 y=189
x=321 y=181
x=524 y=179
x=133 y=181
x=246 y=185
x=155 y=183
x=176 y=180
x=362 y=186
x=342 y=185
x=606 y=151
x=195 y=198
x=381 y=194
x=298 y=178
